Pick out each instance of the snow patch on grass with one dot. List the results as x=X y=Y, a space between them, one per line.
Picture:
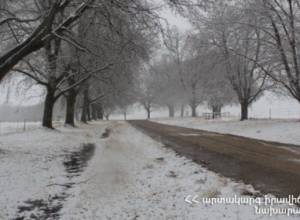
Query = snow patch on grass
x=32 y=172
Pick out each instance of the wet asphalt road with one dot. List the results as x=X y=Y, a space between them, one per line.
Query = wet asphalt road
x=269 y=166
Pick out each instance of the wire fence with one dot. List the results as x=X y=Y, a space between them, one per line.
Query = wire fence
x=22 y=126
x=17 y=127
x=275 y=113
x=267 y=113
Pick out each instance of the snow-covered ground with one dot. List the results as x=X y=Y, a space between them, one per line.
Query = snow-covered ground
x=32 y=168
x=130 y=176
x=281 y=130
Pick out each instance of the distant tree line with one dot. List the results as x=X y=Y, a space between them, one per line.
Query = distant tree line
x=236 y=51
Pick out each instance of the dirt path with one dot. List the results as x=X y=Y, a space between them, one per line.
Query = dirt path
x=270 y=167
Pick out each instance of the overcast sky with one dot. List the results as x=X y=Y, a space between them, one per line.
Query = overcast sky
x=175 y=19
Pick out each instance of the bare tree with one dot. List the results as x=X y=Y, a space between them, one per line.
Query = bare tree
x=170 y=89
x=199 y=63
x=218 y=90
x=175 y=42
x=148 y=90
x=240 y=43
x=280 y=22
x=75 y=55
x=46 y=28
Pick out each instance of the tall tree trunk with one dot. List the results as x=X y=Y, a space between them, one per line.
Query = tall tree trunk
x=70 y=109
x=94 y=112
x=244 y=110
x=77 y=115
x=193 y=102
x=83 y=114
x=85 y=106
x=182 y=110
x=100 y=113
x=48 y=108
x=216 y=111
x=88 y=111
x=171 y=111
x=148 y=113
x=194 y=111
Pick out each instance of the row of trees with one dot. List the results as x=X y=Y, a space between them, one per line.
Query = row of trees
x=88 y=53
x=85 y=53
x=236 y=51
x=189 y=73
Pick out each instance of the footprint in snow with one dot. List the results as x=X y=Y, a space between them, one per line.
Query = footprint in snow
x=172 y=174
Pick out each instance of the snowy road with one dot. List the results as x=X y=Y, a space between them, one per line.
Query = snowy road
x=127 y=175
x=134 y=177
x=271 y=167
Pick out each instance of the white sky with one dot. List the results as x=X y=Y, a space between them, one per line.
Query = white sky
x=176 y=20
